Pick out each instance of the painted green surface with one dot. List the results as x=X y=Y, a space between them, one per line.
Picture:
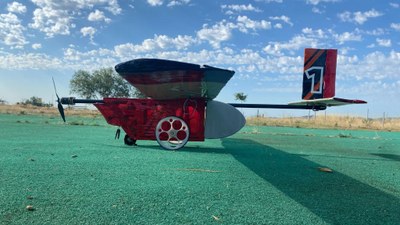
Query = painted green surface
x=74 y=174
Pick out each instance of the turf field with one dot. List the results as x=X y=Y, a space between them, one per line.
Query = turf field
x=77 y=173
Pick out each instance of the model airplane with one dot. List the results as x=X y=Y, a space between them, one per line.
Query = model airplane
x=180 y=105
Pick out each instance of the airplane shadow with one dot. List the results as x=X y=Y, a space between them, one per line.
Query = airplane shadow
x=334 y=197
x=388 y=156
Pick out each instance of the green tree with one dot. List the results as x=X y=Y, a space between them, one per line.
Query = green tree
x=100 y=84
x=36 y=101
x=83 y=85
x=110 y=84
x=240 y=96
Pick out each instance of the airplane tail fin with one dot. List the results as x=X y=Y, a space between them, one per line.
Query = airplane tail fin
x=319 y=75
x=319 y=78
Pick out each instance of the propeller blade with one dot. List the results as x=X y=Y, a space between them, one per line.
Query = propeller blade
x=55 y=89
x=61 y=110
x=59 y=105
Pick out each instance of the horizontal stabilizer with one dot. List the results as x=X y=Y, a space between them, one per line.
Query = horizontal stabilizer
x=328 y=102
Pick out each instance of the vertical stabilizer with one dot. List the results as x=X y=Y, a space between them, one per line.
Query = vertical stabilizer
x=319 y=73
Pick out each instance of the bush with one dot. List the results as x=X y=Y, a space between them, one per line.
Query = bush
x=35 y=101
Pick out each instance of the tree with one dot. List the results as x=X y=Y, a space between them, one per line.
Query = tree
x=109 y=84
x=240 y=96
x=100 y=84
x=82 y=84
x=36 y=101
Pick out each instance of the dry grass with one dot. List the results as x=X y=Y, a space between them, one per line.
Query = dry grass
x=330 y=122
x=49 y=111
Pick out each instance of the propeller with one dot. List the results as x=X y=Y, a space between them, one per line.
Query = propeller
x=59 y=105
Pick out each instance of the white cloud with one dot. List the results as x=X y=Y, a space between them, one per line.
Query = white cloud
x=346 y=16
x=178 y=2
x=370 y=67
x=155 y=2
x=158 y=43
x=252 y=64
x=394 y=5
x=73 y=5
x=36 y=46
x=216 y=34
x=52 y=21
x=71 y=54
x=314 y=33
x=244 y=23
x=359 y=17
x=112 y=6
x=16 y=7
x=297 y=42
x=88 y=31
x=316 y=2
x=55 y=17
x=347 y=36
x=375 y=32
x=384 y=42
x=222 y=31
x=164 y=42
x=171 y=3
x=231 y=9
x=373 y=87
x=283 y=18
x=317 y=10
x=89 y=60
x=31 y=61
x=371 y=45
x=395 y=26
x=98 y=15
x=12 y=31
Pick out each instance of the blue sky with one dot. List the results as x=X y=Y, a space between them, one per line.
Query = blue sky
x=262 y=40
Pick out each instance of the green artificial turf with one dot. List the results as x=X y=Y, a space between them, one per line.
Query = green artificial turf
x=77 y=173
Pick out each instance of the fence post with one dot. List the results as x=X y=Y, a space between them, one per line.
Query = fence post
x=383 y=120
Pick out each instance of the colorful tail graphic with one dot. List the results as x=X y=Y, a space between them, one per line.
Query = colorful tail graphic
x=319 y=74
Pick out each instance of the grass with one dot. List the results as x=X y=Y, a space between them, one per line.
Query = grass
x=76 y=173
x=261 y=175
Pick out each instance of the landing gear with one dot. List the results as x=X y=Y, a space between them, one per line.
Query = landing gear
x=129 y=141
x=172 y=133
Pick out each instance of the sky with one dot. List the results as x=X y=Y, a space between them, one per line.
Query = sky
x=263 y=41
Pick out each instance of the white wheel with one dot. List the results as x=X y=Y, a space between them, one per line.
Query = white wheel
x=172 y=133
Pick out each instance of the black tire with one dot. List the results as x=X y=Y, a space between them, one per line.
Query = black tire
x=129 y=141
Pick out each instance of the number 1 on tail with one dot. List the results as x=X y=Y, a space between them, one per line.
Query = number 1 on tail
x=316 y=74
